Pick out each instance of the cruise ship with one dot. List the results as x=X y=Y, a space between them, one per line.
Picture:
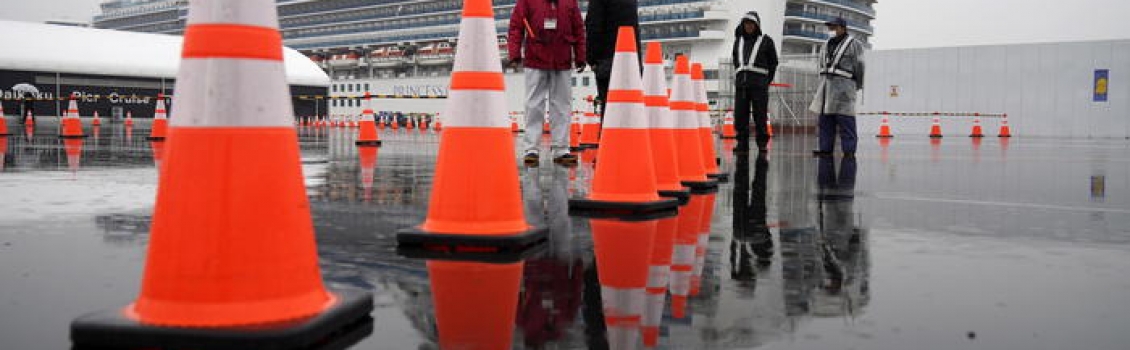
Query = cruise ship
x=404 y=48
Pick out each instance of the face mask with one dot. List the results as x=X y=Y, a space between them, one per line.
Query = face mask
x=832 y=34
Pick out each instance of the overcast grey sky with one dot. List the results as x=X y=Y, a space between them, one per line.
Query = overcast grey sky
x=900 y=23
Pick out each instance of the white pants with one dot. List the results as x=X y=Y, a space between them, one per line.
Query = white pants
x=550 y=87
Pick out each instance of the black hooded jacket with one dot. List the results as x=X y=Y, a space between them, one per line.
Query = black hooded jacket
x=766 y=59
x=604 y=19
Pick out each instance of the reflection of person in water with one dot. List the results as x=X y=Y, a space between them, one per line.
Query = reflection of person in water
x=752 y=241
x=552 y=282
x=837 y=220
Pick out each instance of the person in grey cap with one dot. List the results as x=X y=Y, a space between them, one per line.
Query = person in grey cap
x=841 y=71
x=755 y=64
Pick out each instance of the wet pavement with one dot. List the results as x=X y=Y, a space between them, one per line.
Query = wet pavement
x=917 y=244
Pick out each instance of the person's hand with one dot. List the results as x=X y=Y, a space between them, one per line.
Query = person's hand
x=581 y=67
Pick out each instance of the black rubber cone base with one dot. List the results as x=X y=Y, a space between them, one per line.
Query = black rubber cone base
x=608 y=209
x=340 y=326
x=416 y=243
x=151 y=138
x=373 y=143
x=702 y=187
x=683 y=195
x=721 y=177
x=72 y=136
x=885 y=136
x=590 y=145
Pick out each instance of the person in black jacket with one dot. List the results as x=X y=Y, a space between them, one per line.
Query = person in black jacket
x=604 y=19
x=754 y=71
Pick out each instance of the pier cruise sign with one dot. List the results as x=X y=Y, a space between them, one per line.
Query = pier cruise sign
x=1102 y=83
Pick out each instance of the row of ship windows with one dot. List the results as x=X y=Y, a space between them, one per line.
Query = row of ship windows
x=349 y=87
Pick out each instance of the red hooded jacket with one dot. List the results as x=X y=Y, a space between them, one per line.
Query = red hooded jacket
x=547 y=49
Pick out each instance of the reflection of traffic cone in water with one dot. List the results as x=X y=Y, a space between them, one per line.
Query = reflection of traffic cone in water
x=230 y=249
x=936 y=128
x=575 y=133
x=367 y=130
x=728 y=131
x=623 y=252
x=3 y=150
x=884 y=147
x=158 y=147
x=688 y=142
x=705 y=127
x=662 y=122
x=160 y=120
x=514 y=123
x=73 y=148
x=483 y=216
x=884 y=128
x=129 y=119
x=624 y=181
x=769 y=125
x=96 y=121
x=703 y=239
x=658 y=277
x=475 y=303
x=1005 y=130
x=72 y=126
x=368 y=169
x=682 y=256
x=976 y=133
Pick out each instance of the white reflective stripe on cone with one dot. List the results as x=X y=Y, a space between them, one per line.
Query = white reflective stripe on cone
x=476 y=108
x=680 y=282
x=654 y=73
x=622 y=115
x=622 y=302
x=700 y=98
x=245 y=12
x=200 y=104
x=657 y=276
x=682 y=89
x=683 y=254
x=686 y=119
x=478 y=46
x=653 y=312
x=621 y=337
x=661 y=118
x=625 y=72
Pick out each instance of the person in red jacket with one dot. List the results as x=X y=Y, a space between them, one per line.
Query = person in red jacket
x=553 y=36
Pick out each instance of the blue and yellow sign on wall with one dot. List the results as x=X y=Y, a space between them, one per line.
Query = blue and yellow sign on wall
x=1102 y=82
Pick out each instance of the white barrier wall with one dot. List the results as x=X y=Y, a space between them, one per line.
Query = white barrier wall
x=1047 y=90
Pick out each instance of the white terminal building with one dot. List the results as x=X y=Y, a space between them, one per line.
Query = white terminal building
x=406 y=47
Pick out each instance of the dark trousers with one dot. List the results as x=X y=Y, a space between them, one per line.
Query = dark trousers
x=751 y=102
x=830 y=124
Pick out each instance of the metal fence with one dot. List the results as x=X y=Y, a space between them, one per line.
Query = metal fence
x=796 y=84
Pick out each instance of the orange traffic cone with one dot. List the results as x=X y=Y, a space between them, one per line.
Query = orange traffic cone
x=623 y=252
x=484 y=216
x=1005 y=130
x=160 y=120
x=688 y=142
x=662 y=122
x=129 y=119
x=476 y=304
x=232 y=255
x=368 y=164
x=72 y=126
x=884 y=128
x=4 y=123
x=439 y=123
x=29 y=120
x=158 y=148
x=728 y=131
x=411 y=122
x=590 y=130
x=96 y=121
x=706 y=130
x=936 y=128
x=624 y=182
x=575 y=133
x=367 y=132
x=683 y=254
x=395 y=123
x=769 y=125
x=976 y=127
x=658 y=277
x=3 y=150
x=514 y=123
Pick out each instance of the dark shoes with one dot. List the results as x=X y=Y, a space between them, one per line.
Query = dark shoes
x=819 y=153
x=531 y=159
x=567 y=159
